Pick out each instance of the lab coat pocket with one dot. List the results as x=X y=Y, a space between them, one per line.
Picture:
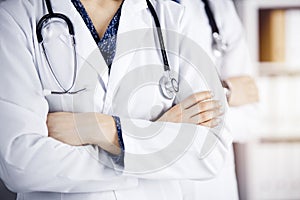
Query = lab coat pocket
x=90 y=97
x=69 y=102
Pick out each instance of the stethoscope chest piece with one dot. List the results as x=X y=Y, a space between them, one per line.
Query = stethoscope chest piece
x=219 y=45
x=168 y=86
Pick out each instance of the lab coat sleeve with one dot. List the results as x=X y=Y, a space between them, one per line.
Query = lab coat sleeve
x=173 y=151
x=30 y=161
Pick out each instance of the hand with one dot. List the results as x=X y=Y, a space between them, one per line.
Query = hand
x=198 y=109
x=243 y=90
x=79 y=129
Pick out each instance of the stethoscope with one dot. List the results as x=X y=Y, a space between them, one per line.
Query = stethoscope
x=168 y=85
x=219 y=44
x=44 y=22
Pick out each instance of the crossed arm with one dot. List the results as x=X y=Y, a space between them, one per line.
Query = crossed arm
x=79 y=129
x=199 y=108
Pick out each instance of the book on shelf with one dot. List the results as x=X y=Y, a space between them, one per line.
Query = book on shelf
x=272 y=35
x=279 y=37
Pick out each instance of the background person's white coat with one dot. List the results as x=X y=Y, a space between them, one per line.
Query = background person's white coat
x=38 y=167
x=236 y=62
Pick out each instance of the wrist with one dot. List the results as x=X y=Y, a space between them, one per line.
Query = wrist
x=87 y=128
x=227 y=89
x=119 y=132
x=107 y=136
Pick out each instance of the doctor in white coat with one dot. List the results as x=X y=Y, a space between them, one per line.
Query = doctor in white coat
x=236 y=71
x=141 y=154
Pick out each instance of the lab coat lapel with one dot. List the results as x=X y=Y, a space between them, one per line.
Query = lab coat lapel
x=134 y=19
x=132 y=31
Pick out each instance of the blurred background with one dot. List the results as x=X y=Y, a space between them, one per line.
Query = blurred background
x=268 y=166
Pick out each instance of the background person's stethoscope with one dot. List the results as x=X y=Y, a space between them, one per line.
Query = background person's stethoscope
x=168 y=85
x=219 y=45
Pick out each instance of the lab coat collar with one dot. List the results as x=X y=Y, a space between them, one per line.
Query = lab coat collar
x=134 y=23
x=136 y=5
x=131 y=16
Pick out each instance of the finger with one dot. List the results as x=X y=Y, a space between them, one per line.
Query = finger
x=211 y=123
x=195 y=98
x=206 y=116
x=203 y=107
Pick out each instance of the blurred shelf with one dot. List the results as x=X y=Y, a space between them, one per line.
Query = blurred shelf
x=279 y=129
x=283 y=137
x=248 y=10
x=279 y=108
x=278 y=69
x=276 y=140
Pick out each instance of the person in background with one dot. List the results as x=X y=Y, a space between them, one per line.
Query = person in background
x=216 y=27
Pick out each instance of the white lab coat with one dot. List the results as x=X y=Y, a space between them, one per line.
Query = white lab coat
x=236 y=62
x=38 y=167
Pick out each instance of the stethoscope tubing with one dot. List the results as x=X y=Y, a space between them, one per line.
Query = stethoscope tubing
x=52 y=70
x=219 y=44
x=170 y=80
